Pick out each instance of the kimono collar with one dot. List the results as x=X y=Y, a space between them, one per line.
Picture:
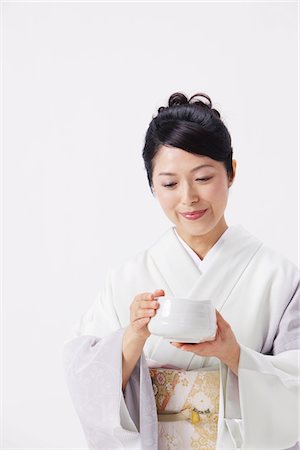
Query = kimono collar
x=204 y=263
x=183 y=278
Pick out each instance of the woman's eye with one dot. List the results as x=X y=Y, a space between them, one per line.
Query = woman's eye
x=204 y=179
x=169 y=185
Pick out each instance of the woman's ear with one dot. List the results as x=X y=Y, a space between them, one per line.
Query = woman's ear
x=233 y=172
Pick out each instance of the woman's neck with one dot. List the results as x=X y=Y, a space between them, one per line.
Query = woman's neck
x=201 y=244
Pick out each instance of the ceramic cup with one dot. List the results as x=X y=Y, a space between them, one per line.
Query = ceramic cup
x=184 y=320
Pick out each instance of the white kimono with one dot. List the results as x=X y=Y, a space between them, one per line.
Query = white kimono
x=256 y=291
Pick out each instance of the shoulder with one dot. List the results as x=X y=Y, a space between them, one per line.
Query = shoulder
x=279 y=259
x=268 y=258
x=276 y=259
x=279 y=263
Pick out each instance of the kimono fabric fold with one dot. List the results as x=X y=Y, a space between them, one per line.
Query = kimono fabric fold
x=256 y=291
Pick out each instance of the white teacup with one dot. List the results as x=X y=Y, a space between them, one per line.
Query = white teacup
x=184 y=320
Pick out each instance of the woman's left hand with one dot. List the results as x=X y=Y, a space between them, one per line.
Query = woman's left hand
x=224 y=346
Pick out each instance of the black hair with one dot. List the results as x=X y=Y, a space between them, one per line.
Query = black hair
x=191 y=125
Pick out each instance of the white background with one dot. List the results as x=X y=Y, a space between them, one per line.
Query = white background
x=81 y=82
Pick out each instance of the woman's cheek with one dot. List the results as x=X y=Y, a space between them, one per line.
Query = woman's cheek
x=217 y=197
x=167 y=201
x=212 y=194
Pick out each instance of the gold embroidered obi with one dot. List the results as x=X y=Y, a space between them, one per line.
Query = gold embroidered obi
x=187 y=405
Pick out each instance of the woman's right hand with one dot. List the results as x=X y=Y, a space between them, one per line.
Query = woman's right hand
x=142 y=309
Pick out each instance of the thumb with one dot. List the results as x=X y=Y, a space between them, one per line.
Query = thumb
x=222 y=324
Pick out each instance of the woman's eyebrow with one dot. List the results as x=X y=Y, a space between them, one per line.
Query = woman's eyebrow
x=193 y=170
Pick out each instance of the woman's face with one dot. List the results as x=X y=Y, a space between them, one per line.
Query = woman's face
x=186 y=183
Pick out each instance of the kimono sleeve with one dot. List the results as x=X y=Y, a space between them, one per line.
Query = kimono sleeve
x=269 y=387
x=93 y=366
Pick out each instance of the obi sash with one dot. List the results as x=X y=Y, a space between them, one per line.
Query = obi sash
x=187 y=405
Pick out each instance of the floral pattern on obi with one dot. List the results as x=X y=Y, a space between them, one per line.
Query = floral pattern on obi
x=187 y=404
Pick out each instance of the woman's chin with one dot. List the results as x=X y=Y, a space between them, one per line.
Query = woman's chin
x=194 y=229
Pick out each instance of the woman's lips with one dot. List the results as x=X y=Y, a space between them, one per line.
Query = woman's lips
x=194 y=215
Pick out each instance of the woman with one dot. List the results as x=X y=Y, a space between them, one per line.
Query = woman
x=124 y=381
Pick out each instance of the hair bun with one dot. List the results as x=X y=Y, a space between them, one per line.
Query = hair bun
x=178 y=99
x=201 y=94
x=201 y=103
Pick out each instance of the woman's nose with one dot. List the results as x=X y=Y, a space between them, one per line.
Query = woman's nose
x=189 y=196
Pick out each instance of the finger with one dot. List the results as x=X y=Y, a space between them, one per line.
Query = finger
x=176 y=344
x=159 y=293
x=141 y=301
x=141 y=313
x=143 y=309
x=183 y=346
x=146 y=296
x=148 y=304
x=201 y=346
x=143 y=296
x=195 y=348
x=221 y=322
